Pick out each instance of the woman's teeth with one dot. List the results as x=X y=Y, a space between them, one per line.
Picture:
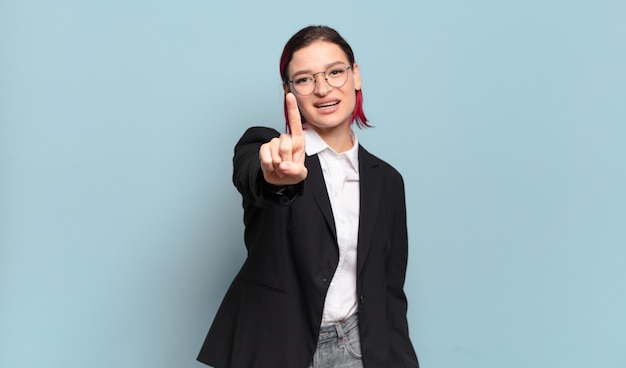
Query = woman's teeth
x=329 y=104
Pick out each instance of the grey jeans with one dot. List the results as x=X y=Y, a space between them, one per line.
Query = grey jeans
x=339 y=346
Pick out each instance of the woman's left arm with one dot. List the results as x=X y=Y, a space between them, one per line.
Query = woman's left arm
x=402 y=349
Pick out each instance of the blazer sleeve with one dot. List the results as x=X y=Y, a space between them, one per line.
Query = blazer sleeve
x=247 y=174
x=403 y=353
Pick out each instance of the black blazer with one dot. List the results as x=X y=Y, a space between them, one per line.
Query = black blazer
x=271 y=314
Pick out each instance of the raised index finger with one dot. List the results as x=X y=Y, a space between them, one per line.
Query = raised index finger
x=293 y=117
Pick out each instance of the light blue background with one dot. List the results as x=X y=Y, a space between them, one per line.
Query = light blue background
x=120 y=230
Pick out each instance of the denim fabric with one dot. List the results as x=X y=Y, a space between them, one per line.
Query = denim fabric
x=339 y=346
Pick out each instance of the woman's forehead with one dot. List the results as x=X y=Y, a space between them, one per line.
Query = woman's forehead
x=318 y=55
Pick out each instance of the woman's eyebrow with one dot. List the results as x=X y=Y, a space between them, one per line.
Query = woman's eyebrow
x=308 y=71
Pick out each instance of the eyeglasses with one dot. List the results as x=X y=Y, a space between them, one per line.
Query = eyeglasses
x=336 y=76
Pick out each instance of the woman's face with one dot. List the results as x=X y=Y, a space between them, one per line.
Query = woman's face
x=327 y=107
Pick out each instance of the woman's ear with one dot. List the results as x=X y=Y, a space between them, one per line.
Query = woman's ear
x=356 y=74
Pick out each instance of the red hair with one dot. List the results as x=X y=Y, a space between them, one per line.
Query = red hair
x=307 y=36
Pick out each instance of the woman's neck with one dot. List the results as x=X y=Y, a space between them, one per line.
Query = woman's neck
x=338 y=138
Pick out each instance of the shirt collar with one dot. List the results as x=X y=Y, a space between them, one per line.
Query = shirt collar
x=315 y=144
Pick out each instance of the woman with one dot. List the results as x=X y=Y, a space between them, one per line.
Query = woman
x=326 y=234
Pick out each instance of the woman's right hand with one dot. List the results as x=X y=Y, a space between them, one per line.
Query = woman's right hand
x=282 y=158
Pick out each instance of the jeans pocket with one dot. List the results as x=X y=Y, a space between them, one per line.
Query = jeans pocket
x=353 y=346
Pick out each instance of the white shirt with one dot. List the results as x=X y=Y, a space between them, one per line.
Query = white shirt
x=341 y=174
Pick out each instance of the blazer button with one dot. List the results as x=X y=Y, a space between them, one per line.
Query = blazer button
x=362 y=299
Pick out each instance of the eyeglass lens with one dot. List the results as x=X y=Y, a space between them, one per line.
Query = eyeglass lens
x=336 y=76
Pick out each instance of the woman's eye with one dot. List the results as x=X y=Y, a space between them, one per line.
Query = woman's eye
x=336 y=72
x=303 y=80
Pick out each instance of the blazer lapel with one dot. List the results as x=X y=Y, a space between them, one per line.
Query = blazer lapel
x=315 y=180
x=371 y=187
